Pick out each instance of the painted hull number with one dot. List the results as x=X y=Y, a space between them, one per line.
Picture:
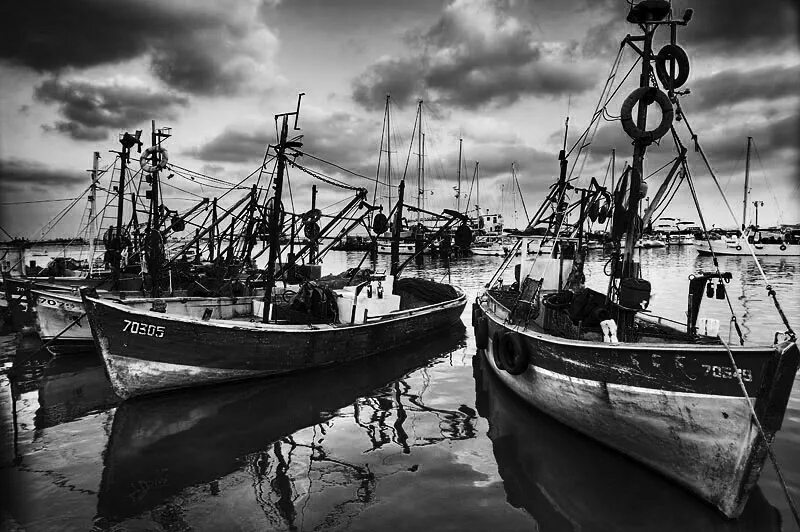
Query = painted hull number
x=143 y=329
x=725 y=372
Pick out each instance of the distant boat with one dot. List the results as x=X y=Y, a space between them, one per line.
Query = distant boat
x=752 y=240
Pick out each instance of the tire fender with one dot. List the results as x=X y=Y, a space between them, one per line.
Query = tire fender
x=482 y=333
x=497 y=342
x=514 y=353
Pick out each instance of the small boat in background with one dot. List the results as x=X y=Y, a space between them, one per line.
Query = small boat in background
x=751 y=239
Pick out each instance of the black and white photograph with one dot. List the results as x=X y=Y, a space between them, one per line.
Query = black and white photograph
x=367 y=265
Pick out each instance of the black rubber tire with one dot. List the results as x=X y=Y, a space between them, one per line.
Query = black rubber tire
x=514 y=353
x=672 y=51
x=497 y=342
x=482 y=333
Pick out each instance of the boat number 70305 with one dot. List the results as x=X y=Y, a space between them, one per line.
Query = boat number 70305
x=135 y=327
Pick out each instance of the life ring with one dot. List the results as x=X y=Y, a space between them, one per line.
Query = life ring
x=783 y=247
x=665 y=55
x=482 y=333
x=514 y=354
x=642 y=95
x=146 y=160
x=738 y=247
x=497 y=342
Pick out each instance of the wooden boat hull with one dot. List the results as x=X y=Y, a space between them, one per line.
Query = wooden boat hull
x=567 y=481
x=151 y=435
x=175 y=351
x=676 y=408
x=55 y=311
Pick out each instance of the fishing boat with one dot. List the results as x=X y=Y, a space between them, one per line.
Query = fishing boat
x=752 y=240
x=61 y=318
x=565 y=481
x=321 y=324
x=673 y=396
x=150 y=435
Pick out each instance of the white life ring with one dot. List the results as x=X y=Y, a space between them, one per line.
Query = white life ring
x=639 y=96
x=146 y=160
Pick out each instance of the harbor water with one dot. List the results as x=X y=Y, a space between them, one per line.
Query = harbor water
x=422 y=437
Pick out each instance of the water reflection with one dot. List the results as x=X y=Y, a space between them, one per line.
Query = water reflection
x=270 y=436
x=566 y=481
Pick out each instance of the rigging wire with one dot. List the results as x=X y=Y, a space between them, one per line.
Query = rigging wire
x=372 y=179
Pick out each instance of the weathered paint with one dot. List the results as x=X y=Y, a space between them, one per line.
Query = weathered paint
x=218 y=350
x=56 y=310
x=662 y=404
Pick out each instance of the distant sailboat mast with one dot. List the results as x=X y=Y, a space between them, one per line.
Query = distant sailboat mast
x=458 y=190
x=746 y=184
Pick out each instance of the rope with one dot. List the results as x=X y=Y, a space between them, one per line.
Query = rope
x=54 y=338
x=733 y=216
x=763 y=435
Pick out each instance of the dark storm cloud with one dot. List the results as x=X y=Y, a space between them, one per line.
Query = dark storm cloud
x=718 y=27
x=742 y=26
x=203 y=49
x=731 y=87
x=91 y=110
x=777 y=141
x=18 y=174
x=235 y=147
x=474 y=55
x=340 y=138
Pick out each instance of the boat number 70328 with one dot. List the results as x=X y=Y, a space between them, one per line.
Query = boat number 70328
x=135 y=327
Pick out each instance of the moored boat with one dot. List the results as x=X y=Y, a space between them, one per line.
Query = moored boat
x=147 y=351
x=674 y=396
x=321 y=323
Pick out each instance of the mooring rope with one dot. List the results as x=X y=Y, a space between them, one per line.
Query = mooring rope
x=769 y=288
x=772 y=457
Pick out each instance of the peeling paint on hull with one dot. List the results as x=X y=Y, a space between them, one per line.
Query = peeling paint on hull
x=178 y=351
x=661 y=404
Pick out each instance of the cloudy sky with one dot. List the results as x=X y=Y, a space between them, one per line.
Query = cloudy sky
x=501 y=74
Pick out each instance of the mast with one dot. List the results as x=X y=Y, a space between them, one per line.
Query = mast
x=746 y=184
x=613 y=168
x=419 y=157
x=275 y=214
x=478 y=193
x=127 y=141
x=388 y=152
x=154 y=223
x=92 y=223
x=458 y=190
x=398 y=222
x=639 y=149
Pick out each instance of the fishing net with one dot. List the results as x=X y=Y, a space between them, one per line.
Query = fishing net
x=418 y=292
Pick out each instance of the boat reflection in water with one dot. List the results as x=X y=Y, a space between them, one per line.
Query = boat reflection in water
x=73 y=387
x=244 y=440
x=566 y=481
